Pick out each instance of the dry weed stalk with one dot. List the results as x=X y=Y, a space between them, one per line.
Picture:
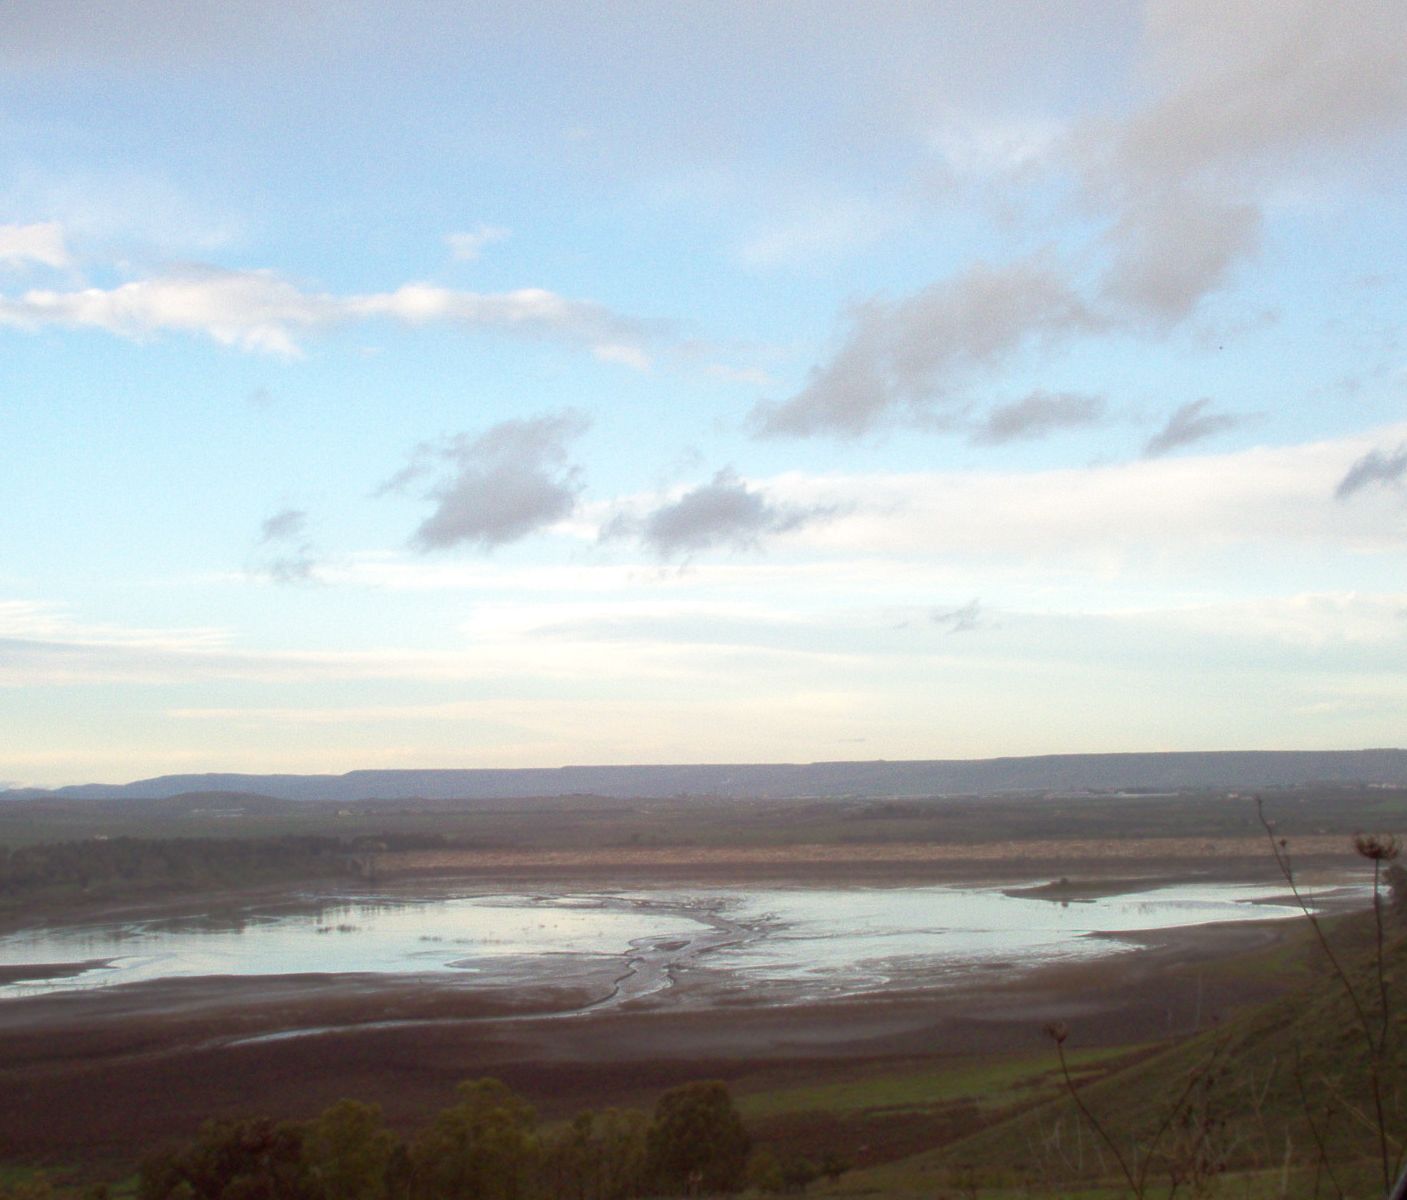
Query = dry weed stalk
x=1378 y=848
x=1194 y=1161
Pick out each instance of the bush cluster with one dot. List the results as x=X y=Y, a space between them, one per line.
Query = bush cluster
x=487 y=1145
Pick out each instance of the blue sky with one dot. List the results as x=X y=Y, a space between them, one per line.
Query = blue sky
x=508 y=385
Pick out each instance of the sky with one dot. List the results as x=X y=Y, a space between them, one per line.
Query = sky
x=503 y=384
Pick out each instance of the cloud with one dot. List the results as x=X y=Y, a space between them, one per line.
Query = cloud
x=298 y=567
x=723 y=512
x=1241 y=80
x=284 y=525
x=1243 y=91
x=960 y=620
x=40 y=244
x=1190 y=422
x=1039 y=414
x=498 y=487
x=466 y=247
x=1174 y=517
x=295 y=559
x=128 y=213
x=906 y=358
x=1171 y=249
x=827 y=231
x=1377 y=467
x=32 y=621
x=261 y=311
x=977 y=146
x=254 y=310
x=1239 y=97
x=752 y=376
x=627 y=356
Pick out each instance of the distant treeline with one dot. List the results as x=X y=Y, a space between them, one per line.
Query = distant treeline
x=487 y=1145
x=108 y=866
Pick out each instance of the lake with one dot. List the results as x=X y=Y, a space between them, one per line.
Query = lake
x=815 y=941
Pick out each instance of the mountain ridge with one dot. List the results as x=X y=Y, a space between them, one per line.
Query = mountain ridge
x=1171 y=770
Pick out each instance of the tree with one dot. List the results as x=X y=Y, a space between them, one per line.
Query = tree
x=252 y=1159
x=764 y=1172
x=697 y=1141
x=483 y=1147
x=599 y=1156
x=347 y=1152
x=798 y=1173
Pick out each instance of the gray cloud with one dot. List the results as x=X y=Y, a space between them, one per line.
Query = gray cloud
x=498 y=487
x=1037 y=415
x=1239 y=93
x=1190 y=422
x=1244 y=90
x=959 y=620
x=1171 y=249
x=298 y=567
x=722 y=512
x=1377 y=467
x=293 y=557
x=906 y=358
x=1244 y=83
x=286 y=524
x=129 y=36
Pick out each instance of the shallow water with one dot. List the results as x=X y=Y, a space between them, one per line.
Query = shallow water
x=819 y=939
x=860 y=939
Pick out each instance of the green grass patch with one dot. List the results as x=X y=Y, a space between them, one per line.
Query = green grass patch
x=989 y=1082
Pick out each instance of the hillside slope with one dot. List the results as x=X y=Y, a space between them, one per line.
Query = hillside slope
x=1286 y=1091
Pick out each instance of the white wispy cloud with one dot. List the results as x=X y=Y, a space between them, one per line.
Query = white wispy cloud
x=42 y=244
x=260 y=310
x=40 y=622
x=1155 y=514
x=1155 y=518
x=467 y=247
x=974 y=145
x=820 y=232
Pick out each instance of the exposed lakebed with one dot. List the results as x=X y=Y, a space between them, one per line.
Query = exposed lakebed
x=790 y=942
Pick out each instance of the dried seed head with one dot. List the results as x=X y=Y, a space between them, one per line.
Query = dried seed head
x=1057 y=1032
x=1379 y=847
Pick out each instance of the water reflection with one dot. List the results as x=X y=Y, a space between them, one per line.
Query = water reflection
x=840 y=939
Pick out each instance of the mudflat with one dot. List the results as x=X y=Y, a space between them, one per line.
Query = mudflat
x=107 y=1072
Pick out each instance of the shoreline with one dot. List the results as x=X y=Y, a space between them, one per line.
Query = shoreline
x=100 y=1074
x=94 y=1073
x=997 y=863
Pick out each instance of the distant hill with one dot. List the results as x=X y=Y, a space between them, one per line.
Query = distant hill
x=1245 y=770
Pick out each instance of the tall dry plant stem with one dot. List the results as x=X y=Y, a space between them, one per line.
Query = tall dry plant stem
x=1378 y=848
x=1322 y=1164
x=1058 y=1033
x=1138 y=1181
